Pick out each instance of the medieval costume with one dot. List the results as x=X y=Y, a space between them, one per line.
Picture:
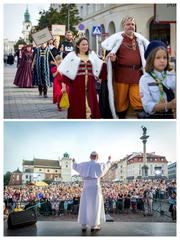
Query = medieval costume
x=127 y=68
x=53 y=52
x=23 y=78
x=42 y=70
x=57 y=86
x=19 y=56
x=91 y=209
x=34 y=69
x=81 y=77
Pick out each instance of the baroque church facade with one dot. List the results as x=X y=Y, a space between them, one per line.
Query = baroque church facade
x=40 y=169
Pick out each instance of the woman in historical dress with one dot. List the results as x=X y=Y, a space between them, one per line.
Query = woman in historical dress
x=80 y=70
x=23 y=78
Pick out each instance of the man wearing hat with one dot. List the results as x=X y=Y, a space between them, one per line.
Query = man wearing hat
x=91 y=210
x=125 y=63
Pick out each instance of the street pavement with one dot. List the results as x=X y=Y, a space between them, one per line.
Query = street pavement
x=25 y=103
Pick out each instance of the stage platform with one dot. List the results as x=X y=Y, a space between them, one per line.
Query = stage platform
x=72 y=228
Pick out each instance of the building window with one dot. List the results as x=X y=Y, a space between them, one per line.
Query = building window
x=26 y=176
x=55 y=170
x=17 y=177
x=40 y=170
x=47 y=170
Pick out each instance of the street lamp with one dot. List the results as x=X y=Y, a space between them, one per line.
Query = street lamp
x=68 y=23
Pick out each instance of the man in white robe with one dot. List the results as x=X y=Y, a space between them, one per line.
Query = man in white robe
x=91 y=210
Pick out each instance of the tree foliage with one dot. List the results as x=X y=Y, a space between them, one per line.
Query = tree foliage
x=48 y=181
x=7 y=177
x=20 y=41
x=67 y=14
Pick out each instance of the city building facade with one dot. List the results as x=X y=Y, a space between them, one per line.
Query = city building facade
x=8 y=46
x=16 y=178
x=127 y=169
x=130 y=168
x=41 y=169
x=148 y=22
x=157 y=166
x=172 y=171
x=109 y=17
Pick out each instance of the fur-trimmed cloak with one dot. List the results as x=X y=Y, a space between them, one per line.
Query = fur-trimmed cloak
x=112 y=44
x=78 y=93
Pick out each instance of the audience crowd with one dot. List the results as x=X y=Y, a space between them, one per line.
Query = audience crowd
x=64 y=198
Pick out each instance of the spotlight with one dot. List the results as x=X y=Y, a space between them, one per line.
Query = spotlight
x=158 y=172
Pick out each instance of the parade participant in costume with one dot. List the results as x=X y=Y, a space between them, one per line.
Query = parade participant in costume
x=34 y=70
x=10 y=59
x=91 y=209
x=19 y=54
x=79 y=70
x=53 y=52
x=42 y=69
x=127 y=56
x=23 y=78
x=67 y=45
x=58 y=86
x=158 y=85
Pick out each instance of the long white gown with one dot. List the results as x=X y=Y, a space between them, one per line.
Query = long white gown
x=91 y=210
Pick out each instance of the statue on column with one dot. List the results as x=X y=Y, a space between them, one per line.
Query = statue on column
x=144 y=130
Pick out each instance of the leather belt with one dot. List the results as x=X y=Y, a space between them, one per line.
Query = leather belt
x=132 y=67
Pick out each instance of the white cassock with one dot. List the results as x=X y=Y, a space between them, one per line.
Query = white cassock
x=91 y=209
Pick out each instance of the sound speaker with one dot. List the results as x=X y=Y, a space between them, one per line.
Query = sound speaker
x=21 y=219
x=109 y=218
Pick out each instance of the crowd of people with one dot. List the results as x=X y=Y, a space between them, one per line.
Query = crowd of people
x=64 y=198
x=134 y=72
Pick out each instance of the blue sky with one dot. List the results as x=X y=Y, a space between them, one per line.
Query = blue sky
x=49 y=140
x=14 y=17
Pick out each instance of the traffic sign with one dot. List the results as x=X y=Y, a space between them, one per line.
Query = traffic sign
x=96 y=30
x=81 y=27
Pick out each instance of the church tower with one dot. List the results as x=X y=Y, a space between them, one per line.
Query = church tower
x=66 y=168
x=27 y=25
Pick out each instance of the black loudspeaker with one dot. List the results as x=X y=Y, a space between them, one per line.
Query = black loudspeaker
x=21 y=219
x=109 y=218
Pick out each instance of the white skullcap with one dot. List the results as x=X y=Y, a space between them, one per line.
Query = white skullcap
x=94 y=153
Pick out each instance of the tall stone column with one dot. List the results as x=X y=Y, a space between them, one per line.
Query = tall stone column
x=144 y=138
